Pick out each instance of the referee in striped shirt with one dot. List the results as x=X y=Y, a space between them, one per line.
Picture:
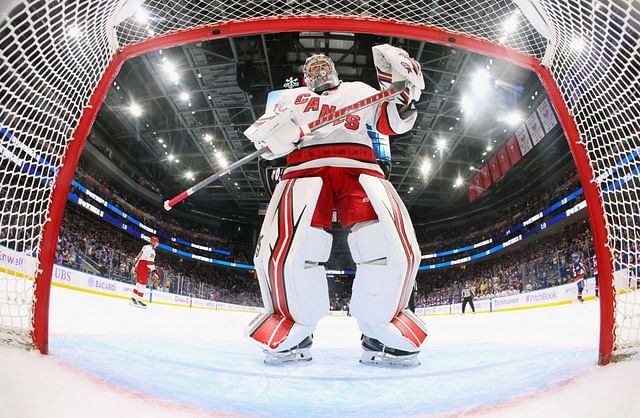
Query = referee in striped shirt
x=467 y=297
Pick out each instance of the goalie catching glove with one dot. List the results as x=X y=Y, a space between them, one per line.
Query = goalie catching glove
x=394 y=64
x=279 y=133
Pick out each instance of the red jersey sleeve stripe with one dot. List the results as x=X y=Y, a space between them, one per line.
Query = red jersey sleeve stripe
x=383 y=125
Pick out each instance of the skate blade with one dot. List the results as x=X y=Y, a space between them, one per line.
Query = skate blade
x=374 y=359
x=299 y=356
x=279 y=362
x=137 y=305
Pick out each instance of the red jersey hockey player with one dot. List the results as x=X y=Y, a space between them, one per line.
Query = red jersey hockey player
x=144 y=264
x=335 y=167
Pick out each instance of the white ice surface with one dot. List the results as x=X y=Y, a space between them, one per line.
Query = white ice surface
x=108 y=359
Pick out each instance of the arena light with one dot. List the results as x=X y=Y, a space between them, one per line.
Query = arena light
x=208 y=138
x=168 y=66
x=441 y=144
x=459 y=181
x=221 y=159
x=188 y=174
x=74 y=32
x=142 y=16
x=467 y=104
x=511 y=24
x=480 y=80
x=514 y=118
x=135 y=110
x=577 y=44
x=171 y=157
x=170 y=70
x=425 y=168
x=184 y=96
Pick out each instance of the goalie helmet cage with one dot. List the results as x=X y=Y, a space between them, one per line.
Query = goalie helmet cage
x=59 y=58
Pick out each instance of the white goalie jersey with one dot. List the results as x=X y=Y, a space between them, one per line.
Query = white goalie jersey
x=349 y=133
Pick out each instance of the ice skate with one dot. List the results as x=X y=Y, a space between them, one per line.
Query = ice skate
x=138 y=303
x=299 y=353
x=377 y=353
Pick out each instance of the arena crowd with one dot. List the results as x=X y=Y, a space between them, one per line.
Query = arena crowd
x=87 y=242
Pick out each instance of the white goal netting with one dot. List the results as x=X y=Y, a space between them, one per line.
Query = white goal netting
x=53 y=55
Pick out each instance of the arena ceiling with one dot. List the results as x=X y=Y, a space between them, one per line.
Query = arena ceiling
x=196 y=100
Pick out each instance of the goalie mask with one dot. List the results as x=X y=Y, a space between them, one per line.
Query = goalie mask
x=320 y=73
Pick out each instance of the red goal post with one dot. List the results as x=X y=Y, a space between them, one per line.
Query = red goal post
x=59 y=58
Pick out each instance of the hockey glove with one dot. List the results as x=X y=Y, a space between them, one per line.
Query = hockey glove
x=394 y=64
x=279 y=133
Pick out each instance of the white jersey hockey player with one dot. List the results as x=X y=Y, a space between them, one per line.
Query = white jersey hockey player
x=334 y=167
x=144 y=264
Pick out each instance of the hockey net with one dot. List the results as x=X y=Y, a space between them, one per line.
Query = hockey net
x=58 y=59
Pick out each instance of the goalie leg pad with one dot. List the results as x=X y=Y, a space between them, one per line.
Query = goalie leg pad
x=275 y=332
x=404 y=332
x=293 y=285
x=387 y=256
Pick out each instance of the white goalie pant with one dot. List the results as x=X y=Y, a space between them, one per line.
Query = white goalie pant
x=293 y=286
x=387 y=255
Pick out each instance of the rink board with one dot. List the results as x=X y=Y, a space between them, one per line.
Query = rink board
x=23 y=266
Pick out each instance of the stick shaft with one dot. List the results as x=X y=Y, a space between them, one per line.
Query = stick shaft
x=393 y=90
x=169 y=204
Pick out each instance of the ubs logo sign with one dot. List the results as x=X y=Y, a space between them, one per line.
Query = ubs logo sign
x=62 y=275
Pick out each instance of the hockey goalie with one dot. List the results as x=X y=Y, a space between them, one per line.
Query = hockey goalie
x=334 y=167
